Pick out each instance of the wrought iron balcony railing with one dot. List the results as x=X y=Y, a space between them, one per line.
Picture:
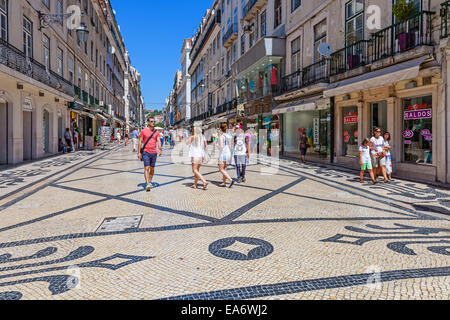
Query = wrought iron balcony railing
x=15 y=59
x=312 y=74
x=230 y=35
x=398 y=38
x=350 y=57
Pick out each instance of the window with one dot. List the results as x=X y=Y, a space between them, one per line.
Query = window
x=263 y=24
x=60 y=11
x=4 y=20
x=46 y=3
x=295 y=4
x=350 y=131
x=418 y=130
x=354 y=21
x=27 y=37
x=278 y=17
x=71 y=73
x=251 y=39
x=79 y=77
x=320 y=36
x=46 y=51
x=242 y=45
x=60 y=61
x=295 y=55
x=92 y=51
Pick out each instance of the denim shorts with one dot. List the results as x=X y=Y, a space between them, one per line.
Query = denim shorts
x=149 y=159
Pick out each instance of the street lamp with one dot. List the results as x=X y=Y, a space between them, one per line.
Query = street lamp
x=47 y=19
x=82 y=33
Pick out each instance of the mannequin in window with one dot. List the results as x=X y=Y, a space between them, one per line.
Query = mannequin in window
x=274 y=79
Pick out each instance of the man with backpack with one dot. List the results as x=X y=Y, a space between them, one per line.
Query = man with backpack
x=147 y=152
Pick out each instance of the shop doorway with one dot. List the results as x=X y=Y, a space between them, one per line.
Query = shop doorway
x=46 y=123
x=378 y=116
x=3 y=133
x=60 y=127
x=27 y=129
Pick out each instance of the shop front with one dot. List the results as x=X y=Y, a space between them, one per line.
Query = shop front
x=313 y=116
x=408 y=110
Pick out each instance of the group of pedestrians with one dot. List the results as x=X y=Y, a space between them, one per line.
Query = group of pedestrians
x=375 y=157
x=236 y=144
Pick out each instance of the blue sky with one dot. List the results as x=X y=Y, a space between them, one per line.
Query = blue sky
x=154 y=31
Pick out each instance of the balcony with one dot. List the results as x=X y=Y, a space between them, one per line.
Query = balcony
x=252 y=7
x=15 y=59
x=230 y=36
x=308 y=76
x=399 y=38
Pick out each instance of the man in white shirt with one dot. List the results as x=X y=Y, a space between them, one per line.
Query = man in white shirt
x=378 y=154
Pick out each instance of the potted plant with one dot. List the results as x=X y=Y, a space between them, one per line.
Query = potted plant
x=404 y=10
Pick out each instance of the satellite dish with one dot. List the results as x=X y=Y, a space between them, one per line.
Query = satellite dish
x=325 y=49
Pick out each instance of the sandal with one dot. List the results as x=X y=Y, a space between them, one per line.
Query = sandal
x=194 y=187
x=222 y=185
x=205 y=186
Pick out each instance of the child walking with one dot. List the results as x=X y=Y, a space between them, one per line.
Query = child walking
x=366 y=161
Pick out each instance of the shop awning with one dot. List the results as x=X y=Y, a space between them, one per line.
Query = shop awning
x=315 y=103
x=399 y=72
x=230 y=116
x=101 y=117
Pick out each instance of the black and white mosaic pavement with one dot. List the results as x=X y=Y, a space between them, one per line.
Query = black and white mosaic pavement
x=82 y=226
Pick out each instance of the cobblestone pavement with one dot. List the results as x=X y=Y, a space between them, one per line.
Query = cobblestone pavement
x=82 y=227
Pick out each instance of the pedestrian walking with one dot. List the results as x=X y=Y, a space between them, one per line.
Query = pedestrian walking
x=303 y=146
x=378 y=154
x=366 y=161
x=118 y=137
x=127 y=139
x=148 y=143
x=68 y=138
x=197 y=149
x=241 y=153
x=387 y=149
x=225 y=141
x=135 y=139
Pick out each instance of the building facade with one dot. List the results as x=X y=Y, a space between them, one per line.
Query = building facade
x=50 y=80
x=334 y=69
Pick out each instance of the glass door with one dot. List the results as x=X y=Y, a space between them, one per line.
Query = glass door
x=378 y=116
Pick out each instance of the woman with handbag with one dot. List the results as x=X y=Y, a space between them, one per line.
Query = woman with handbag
x=197 y=152
x=303 y=146
x=378 y=154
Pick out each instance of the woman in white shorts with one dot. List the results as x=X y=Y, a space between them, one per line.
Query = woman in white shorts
x=225 y=156
x=197 y=148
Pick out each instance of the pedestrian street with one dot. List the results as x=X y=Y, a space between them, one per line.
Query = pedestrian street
x=82 y=226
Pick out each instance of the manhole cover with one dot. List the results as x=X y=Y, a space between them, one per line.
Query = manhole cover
x=119 y=224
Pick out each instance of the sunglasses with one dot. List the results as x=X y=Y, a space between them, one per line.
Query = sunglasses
x=151 y=121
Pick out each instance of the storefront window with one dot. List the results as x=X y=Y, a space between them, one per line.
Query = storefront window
x=350 y=131
x=316 y=124
x=418 y=130
x=260 y=80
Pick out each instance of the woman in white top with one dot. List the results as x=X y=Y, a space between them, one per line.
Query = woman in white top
x=225 y=156
x=387 y=149
x=118 y=138
x=197 y=148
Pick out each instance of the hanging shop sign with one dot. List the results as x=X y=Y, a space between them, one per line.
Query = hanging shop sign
x=316 y=123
